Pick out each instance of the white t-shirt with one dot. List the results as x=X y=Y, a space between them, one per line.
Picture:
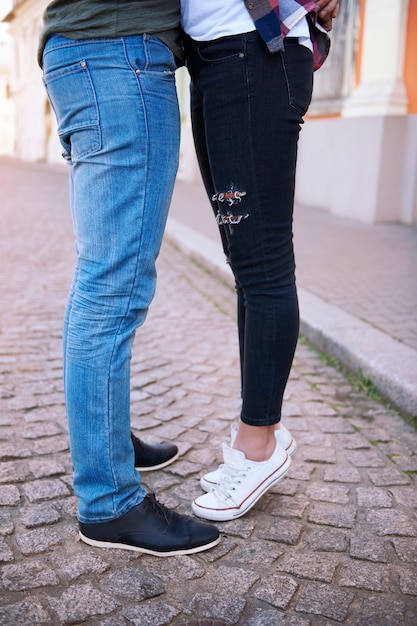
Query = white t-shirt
x=205 y=20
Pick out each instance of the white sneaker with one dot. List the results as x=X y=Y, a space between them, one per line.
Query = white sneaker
x=242 y=483
x=283 y=436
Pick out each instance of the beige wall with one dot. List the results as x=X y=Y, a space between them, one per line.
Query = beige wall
x=6 y=103
x=362 y=162
x=34 y=140
x=358 y=149
x=363 y=167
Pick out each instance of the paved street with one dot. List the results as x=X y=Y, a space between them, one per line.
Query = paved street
x=334 y=542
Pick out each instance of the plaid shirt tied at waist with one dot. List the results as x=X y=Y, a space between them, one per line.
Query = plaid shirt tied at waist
x=273 y=19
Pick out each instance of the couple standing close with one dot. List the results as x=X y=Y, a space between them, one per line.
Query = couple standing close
x=109 y=71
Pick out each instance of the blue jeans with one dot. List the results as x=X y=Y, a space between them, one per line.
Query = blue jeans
x=116 y=105
x=247 y=107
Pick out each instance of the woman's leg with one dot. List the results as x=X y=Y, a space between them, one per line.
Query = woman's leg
x=247 y=111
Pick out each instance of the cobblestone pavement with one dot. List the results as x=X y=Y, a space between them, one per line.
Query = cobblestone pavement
x=334 y=542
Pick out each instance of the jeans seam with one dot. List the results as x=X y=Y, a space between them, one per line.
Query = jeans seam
x=135 y=273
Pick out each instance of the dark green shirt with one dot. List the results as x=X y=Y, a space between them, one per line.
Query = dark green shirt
x=84 y=19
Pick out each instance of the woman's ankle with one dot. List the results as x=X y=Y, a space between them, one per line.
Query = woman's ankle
x=256 y=442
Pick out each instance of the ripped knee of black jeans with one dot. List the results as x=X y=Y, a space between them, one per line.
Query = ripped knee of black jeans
x=226 y=216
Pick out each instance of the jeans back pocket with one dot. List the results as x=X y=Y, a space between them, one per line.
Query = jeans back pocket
x=71 y=92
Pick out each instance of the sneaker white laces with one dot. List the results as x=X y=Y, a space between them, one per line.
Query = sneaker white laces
x=230 y=478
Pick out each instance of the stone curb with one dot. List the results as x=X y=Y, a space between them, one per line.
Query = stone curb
x=388 y=364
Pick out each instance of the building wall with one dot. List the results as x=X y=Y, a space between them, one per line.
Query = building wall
x=362 y=167
x=361 y=162
x=358 y=148
x=6 y=102
x=34 y=128
x=410 y=62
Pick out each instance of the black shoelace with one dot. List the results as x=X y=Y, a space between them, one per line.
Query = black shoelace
x=156 y=507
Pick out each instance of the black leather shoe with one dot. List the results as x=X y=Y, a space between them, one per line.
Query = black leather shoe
x=152 y=457
x=152 y=528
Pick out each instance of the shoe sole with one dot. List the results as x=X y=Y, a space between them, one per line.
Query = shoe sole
x=124 y=546
x=222 y=515
x=208 y=486
x=151 y=468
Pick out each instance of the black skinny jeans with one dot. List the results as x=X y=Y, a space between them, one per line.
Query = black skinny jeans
x=247 y=106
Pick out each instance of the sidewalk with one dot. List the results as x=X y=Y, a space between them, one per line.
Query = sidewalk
x=333 y=543
x=357 y=288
